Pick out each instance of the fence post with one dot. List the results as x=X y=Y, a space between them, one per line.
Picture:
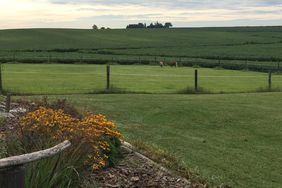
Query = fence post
x=49 y=58
x=196 y=80
x=8 y=103
x=278 y=66
x=12 y=177
x=246 y=65
x=108 y=76
x=81 y=59
x=219 y=61
x=1 y=84
x=14 y=57
x=269 y=80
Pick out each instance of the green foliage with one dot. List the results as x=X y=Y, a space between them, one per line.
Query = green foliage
x=59 y=171
x=114 y=153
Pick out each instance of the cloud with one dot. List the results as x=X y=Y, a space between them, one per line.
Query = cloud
x=118 y=13
x=176 y=3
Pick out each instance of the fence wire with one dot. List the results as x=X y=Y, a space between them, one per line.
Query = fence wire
x=87 y=79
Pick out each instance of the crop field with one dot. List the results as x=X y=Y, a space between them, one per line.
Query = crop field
x=75 y=79
x=232 y=138
x=257 y=48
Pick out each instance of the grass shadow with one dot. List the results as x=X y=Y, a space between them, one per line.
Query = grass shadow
x=191 y=90
x=267 y=89
x=115 y=90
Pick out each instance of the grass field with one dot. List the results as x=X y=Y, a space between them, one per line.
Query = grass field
x=188 y=46
x=67 y=79
x=232 y=138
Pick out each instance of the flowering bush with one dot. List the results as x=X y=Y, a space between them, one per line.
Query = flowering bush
x=94 y=136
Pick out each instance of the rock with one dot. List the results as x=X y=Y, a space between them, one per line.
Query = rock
x=135 y=179
x=112 y=186
x=6 y=115
x=18 y=110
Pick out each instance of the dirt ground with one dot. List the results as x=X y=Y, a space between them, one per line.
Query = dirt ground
x=134 y=171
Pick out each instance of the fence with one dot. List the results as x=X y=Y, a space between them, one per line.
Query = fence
x=235 y=63
x=12 y=169
x=93 y=79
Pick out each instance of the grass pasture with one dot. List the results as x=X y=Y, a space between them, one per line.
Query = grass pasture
x=83 y=79
x=231 y=138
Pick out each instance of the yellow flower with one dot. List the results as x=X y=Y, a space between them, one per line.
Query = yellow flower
x=91 y=130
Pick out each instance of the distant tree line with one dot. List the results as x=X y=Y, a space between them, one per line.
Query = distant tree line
x=95 y=27
x=151 y=26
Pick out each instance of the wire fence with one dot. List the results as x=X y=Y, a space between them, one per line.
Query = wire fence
x=234 y=63
x=24 y=79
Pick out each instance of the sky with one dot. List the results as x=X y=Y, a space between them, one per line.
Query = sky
x=119 y=13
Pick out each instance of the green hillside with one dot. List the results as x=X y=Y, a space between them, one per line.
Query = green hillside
x=210 y=40
x=188 y=46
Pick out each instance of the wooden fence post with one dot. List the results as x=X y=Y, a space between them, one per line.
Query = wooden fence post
x=12 y=171
x=278 y=66
x=108 y=76
x=8 y=103
x=12 y=177
x=81 y=59
x=269 y=80
x=196 y=80
x=14 y=57
x=49 y=58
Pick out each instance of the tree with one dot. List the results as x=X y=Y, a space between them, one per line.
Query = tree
x=168 y=25
x=95 y=27
x=156 y=25
x=151 y=25
x=133 y=26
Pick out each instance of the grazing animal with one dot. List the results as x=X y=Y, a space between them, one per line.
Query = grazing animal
x=172 y=64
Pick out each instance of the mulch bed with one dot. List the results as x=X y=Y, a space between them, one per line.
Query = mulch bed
x=133 y=172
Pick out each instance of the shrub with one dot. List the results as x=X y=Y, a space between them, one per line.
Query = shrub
x=94 y=131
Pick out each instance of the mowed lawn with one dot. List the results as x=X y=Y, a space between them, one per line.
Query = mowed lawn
x=83 y=78
x=232 y=138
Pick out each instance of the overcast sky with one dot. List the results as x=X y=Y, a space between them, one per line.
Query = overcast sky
x=119 y=13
